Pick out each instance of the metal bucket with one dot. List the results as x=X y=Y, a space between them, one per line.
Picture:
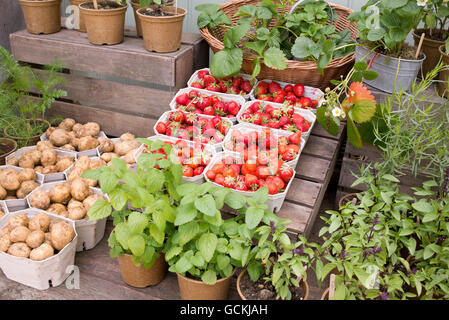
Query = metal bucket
x=387 y=68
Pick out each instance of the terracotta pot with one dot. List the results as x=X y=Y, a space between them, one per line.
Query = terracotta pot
x=190 y=289
x=443 y=87
x=82 y=24
x=243 y=273
x=23 y=142
x=42 y=16
x=431 y=50
x=325 y=295
x=162 y=34
x=140 y=277
x=348 y=197
x=104 y=26
x=136 y=6
x=7 y=142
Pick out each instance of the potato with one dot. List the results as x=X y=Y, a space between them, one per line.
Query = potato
x=42 y=145
x=14 y=161
x=19 y=249
x=40 y=221
x=64 y=163
x=47 y=238
x=106 y=145
x=97 y=163
x=44 y=251
x=80 y=189
x=59 y=137
x=90 y=200
x=48 y=157
x=11 y=198
x=68 y=147
x=27 y=174
x=39 y=169
x=77 y=213
x=19 y=234
x=74 y=203
x=92 y=129
x=91 y=183
x=17 y=221
x=39 y=199
x=49 y=169
x=60 y=193
x=34 y=154
x=3 y=231
x=123 y=147
x=129 y=157
x=74 y=173
x=2 y=214
x=108 y=156
x=9 y=179
x=5 y=243
x=26 y=162
x=83 y=162
x=26 y=188
x=87 y=143
x=35 y=238
x=67 y=124
x=61 y=234
x=57 y=208
x=3 y=193
x=127 y=137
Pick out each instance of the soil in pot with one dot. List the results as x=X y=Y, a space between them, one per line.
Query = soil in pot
x=103 y=5
x=260 y=290
x=158 y=12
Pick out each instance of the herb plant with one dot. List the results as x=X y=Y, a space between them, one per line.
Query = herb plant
x=143 y=204
x=273 y=35
x=435 y=19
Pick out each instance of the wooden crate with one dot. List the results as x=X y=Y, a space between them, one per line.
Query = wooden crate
x=122 y=87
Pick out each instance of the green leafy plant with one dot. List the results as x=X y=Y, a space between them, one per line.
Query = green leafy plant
x=205 y=246
x=435 y=19
x=143 y=204
x=273 y=35
x=147 y=3
x=385 y=24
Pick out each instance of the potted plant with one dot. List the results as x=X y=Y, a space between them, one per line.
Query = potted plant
x=436 y=32
x=143 y=206
x=384 y=26
x=104 y=20
x=161 y=25
x=24 y=113
x=136 y=5
x=42 y=16
x=205 y=250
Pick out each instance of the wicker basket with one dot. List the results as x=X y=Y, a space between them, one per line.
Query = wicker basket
x=305 y=72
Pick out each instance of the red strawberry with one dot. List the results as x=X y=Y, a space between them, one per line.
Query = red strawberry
x=286 y=173
x=246 y=117
x=259 y=91
x=209 y=79
x=216 y=120
x=198 y=85
x=237 y=82
x=194 y=94
x=202 y=73
x=241 y=186
x=246 y=86
x=274 y=124
x=295 y=138
x=288 y=88
x=213 y=87
x=273 y=86
x=204 y=102
x=191 y=117
x=298 y=89
x=233 y=108
x=283 y=120
x=229 y=182
x=224 y=127
x=182 y=99
x=223 y=87
x=305 y=102
x=161 y=127
x=176 y=116
x=209 y=111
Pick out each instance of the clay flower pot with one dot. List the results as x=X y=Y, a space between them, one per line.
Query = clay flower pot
x=162 y=34
x=136 y=6
x=7 y=146
x=443 y=87
x=42 y=16
x=82 y=24
x=430 y=48
x=244 y=272
x=140 y=277
x=106 y=26
x=190 y=289
x=30 y=141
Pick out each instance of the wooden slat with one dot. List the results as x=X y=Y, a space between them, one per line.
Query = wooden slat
x=320 y=147
x=299 y=215
x=312 y=168
x=319 y=131
x=303 y=192
x=127 y=60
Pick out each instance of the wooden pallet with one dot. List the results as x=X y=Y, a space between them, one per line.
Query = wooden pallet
x=122 y=87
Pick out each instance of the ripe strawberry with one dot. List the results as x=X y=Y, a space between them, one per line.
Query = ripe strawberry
x=187 y=171
x=291 y=97
x=279 y=99
x=272 y=187
x=240 y=186
x=194 y=94
x=287 y=110
x=305 y=102
x=198 y=85
x=223 y=87
x=279 y=183
x=233 y=108
x=273 y=123
x=289 y=155
x=161 y=128
x=264 y=118
x=210 y=175
x=262 y=172
x=224 y=127
x=273 y=86
x=283 y=120
x=202 y=73
x=203 y=102
x=216 y=121
x=246 y=117
x=290 y=127
x=295 y=138
x=183 y=99
x=209 y=111
x=213 y=87
x=259 y=91
x=176 y=116
x=283 y=141
x=237 y=82
x=209 y=79
x=298 y=89
x=229 y=182
x=219 y=179
x=286 y=173
x=246 y=86
x=190 y=118
x=255 y=107
x=197 y=171
x=266 y=98
x=288 y=88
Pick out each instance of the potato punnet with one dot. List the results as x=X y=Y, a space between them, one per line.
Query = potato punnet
x=27 y=175
x=67 y=124
x=87 y=143
x=61 y=234
x=59 y=137
x=14 y=161
x=3 y=193
x=17 y=221
x=26 y=188
x=90 y=200
x=35 y=238
x=19 y=249
x=9 y=179
x=48 y=157
x=5 y=243
x=108 y=156
x=60 y=193
x=77 y=213
x=39 y=199
x=80 y=189
x=127 y=137
x=40 y=221
x=68 y=147
x=44 y=251
x=42 y=145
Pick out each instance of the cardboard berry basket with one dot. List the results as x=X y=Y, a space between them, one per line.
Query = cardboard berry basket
x=309 y=92
x=210 y=151
x=89 y=232
x=274 y=201
x=4 y=208
x=247 y=127
x=217 y=146
x=44 y=274
x=19 y=204
x=195 y=78
x=51 y=177
x=90 y=152
x=225 y=97
x=308 y=115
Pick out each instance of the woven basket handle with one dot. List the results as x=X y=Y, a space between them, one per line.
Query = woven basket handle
x=301 y=1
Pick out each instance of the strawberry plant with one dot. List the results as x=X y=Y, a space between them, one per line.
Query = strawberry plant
x=307 y=33
x=230 y=85
x=205 y=246
x=291 y=94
